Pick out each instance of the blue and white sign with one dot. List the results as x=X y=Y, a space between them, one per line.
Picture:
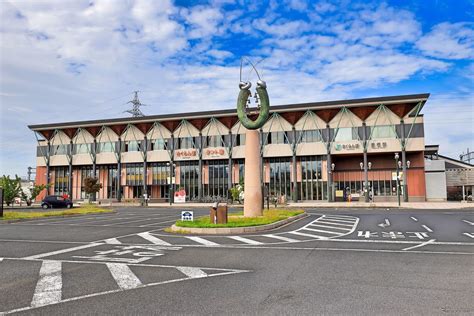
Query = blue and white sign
x=187 y=216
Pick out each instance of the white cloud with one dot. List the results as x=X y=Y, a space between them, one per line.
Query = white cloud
x=449 y=41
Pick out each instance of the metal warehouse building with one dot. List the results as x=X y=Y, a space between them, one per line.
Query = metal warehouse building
x=323 y=151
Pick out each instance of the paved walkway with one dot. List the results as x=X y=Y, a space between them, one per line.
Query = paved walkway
x=411 y=205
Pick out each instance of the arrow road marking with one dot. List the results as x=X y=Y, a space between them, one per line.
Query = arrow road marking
x=468 y=235
x=421 y=245
x=385 y=224
x=468 y=222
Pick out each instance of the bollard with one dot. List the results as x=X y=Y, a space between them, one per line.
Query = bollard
x=222 y=214
x=213 y=213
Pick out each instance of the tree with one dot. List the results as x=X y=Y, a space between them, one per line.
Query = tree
x=91 y=186
x=11 y=188
x=34 y=191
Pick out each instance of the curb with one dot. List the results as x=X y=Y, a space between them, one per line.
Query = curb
x=8 y=221
x=236 y=230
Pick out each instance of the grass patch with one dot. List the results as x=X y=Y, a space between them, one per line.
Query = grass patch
x=237 y=219
x=88 y=209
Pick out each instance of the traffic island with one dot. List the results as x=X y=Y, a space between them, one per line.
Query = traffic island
x=14 y=216
x=238 y=224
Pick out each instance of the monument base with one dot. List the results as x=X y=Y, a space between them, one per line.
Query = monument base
x=252 y=186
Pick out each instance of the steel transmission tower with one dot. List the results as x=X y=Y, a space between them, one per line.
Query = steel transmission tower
x=135 y=111
x=467 y=157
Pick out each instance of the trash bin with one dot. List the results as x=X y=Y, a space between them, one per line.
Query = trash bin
x=218 y=214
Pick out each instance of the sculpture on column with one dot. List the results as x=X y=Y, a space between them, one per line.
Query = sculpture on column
x=253 y=188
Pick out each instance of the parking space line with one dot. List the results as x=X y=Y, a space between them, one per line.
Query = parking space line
x=124 y=276
x=414 y=218
x=49 y=287
x=202 y=241
x=427 y=228
x=469 y=235
x=153 y=239
x=192 y=272
x=245 y=240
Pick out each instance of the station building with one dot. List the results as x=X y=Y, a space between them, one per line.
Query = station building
x=321 y=151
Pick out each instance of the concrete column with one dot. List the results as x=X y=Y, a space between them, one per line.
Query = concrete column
x=295 y=178
x=70 y=170
x=94 y=164
x=366 y=169
x=328 y=159
x=229 y=175
x=145 y=166
x=262 y=173
x=200 y=148
x=253 y=184
x=119 y=171
x=171 y=193
x=48 y=163
x=404 y=163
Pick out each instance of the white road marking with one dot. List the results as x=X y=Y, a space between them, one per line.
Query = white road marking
x=339 y=217
x=124 y=277
x=153 y=239
x=468 y=222
x=420 y=245
x=113 y=241
x=414 y=218
x=338 y=220
x=202 y=241
x=222 y=273
x=281 y=238
x=386 y=223
x=427 y=228
x=1 y=259
x=309 y=235
x=469 y=235
x=332 y=227
x=57 y=252
x=320 y=231
x=49 y=287
x=245 y=240
x=192 y=272
x=331 y=223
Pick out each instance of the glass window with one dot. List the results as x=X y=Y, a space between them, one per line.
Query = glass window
x=346 y=134
x=383 y=131
x=105 y=147
x=185 y=142
x=82 y=148
x=159 y=144
x=214 y=141
x=59 y=150
x=132 y=145
x=311 y=136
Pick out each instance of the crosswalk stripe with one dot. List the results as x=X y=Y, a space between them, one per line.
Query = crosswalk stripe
x=245 y=240
x=339 y=220
x=192 y=272
x=49 y=286
x=113 y=241
x=321 y=231
x=281 y=238
x=339 y=216
x=332 y=223
x=124 y=277
x=153 y=239
x=202 y=241
x=308 y=235
x=332 y=227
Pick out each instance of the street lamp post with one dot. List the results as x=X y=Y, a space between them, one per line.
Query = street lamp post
x=366 y=166
x=399 y=166
x=171 y=188
x=331 y=175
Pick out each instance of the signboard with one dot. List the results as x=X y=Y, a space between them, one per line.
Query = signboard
x=394 y=176
x=339 y=193
x=215 y=153
x=339 y=147
x=180 y=196
x=378 y=145
x=186 y=154
x=187 y=216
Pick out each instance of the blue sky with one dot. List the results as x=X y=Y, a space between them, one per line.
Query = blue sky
x=79 y=60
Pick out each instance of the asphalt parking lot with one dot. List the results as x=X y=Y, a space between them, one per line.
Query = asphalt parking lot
x=337 y=261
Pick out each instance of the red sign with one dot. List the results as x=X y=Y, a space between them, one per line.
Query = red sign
x=186 y=154
x=215 y=152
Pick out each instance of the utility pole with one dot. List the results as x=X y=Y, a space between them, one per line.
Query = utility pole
x=136 y=104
